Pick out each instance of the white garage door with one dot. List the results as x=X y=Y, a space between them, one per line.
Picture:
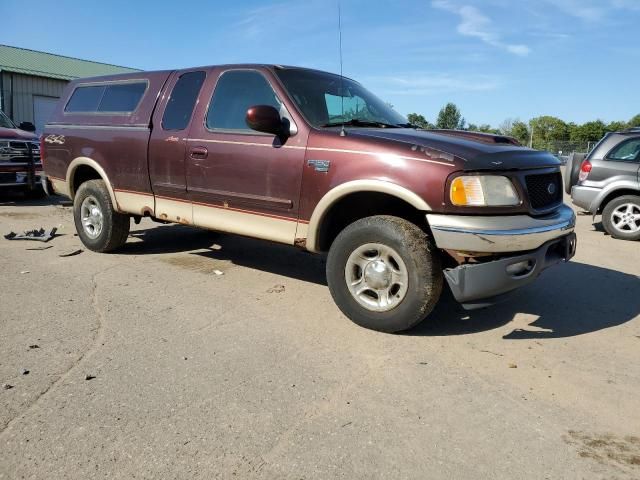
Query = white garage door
x=42 y=111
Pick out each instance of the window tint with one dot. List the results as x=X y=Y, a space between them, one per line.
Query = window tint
x=235 y=92
x=122 y=98
x=183 y=99
x=85 y=99
x=116 y=98
x=628 y=151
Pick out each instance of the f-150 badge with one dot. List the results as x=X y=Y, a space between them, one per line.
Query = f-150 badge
x=320 y=165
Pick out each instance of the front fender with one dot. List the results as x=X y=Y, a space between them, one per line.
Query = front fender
x=356 y=186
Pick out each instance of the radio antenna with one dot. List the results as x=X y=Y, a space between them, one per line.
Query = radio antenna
x=342 y=132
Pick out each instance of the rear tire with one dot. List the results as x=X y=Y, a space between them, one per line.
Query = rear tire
x=395 y=266
x=99 y=226
x=621 y=217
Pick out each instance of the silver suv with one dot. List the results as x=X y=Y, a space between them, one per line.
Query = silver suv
x=607 y=181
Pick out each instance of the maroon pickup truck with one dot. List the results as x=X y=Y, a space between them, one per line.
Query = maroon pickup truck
x=314 y=160
x=20 y=166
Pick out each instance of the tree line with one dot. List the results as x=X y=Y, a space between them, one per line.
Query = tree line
x=544 y=132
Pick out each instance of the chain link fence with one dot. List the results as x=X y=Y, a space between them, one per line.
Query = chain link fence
x=564 y=148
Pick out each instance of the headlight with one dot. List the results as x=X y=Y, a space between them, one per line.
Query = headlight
x=483 y=191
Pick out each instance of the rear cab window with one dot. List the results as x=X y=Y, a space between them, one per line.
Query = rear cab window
x=184 y=95
x=120 y=98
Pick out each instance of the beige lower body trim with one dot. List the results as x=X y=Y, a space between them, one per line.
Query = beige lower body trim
x=60 y=187
x=134 y=203
x=244 y=223
x=302 y=230
x=174 y=210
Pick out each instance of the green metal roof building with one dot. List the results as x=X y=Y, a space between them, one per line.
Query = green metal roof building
x=31 y=82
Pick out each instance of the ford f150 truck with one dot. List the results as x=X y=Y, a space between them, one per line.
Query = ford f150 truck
x=314 y=160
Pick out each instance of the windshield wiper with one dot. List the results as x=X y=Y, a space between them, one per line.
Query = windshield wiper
x=355 y=122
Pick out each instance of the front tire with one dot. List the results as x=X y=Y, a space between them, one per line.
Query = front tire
x=384 y=273
x=621 y=217
x=99 y=226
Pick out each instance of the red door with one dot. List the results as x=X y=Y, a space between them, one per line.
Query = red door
x=240 y=180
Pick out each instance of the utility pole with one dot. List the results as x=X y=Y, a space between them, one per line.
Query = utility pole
x=531 y=138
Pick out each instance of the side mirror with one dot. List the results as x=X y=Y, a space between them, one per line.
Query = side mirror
x=27 y=127
x=265 y=118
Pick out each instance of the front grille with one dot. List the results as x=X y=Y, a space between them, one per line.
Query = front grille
x=15 y=151
x=545 y=190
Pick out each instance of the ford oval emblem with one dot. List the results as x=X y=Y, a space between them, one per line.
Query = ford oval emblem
x=551 y=188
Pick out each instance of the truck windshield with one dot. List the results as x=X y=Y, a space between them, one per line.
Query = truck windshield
x=5 y=122
x=322 y=99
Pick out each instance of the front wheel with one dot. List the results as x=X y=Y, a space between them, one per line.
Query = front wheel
x=621 y=217
x=384 y=273
x=100 y=227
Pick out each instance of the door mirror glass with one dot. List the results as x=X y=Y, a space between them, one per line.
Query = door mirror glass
x=27 y=126
x=265 y=118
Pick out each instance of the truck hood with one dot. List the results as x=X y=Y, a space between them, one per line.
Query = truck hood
x=476 y=151
x=16 y=134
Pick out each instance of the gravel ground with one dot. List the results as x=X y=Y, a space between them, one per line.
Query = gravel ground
x=149 y=363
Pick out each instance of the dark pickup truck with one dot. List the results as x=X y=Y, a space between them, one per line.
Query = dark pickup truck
x=20 y=166
x=314 y=160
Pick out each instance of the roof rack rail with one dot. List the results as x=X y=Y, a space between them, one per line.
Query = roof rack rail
x=632 y=130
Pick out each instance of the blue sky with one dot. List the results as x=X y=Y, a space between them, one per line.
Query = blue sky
x=496 y=59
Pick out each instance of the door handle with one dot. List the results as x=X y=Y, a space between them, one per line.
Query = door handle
x=198 y=152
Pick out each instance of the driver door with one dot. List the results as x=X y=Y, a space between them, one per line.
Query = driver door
x=240 y=180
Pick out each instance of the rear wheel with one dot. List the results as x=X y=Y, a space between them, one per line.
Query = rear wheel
x=99 y=226
x=621 y=217
x=384 y=273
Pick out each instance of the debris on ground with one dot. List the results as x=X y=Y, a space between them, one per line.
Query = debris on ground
x=24 y=271
x=492 y=353
x=218 y=272
x=276 y=289
x=88 y=376
x=25 y=371
x=35 y=345
x=71 y=253
x=44 y=247
x=513 y=365
x=41 y=235
x=7 y=386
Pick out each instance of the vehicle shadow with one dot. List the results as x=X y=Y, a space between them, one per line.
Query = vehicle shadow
x=568 y=300
x=16 y=198
x=242 y=251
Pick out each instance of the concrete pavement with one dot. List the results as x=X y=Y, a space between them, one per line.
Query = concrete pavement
x=150 y=365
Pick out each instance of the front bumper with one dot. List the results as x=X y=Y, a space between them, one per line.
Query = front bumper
x=20 y=175
x=499 y=234
x=477 y=285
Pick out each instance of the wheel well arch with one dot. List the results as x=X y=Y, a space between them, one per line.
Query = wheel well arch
x=615 y=194
x=331 y=217
x=83 y=169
